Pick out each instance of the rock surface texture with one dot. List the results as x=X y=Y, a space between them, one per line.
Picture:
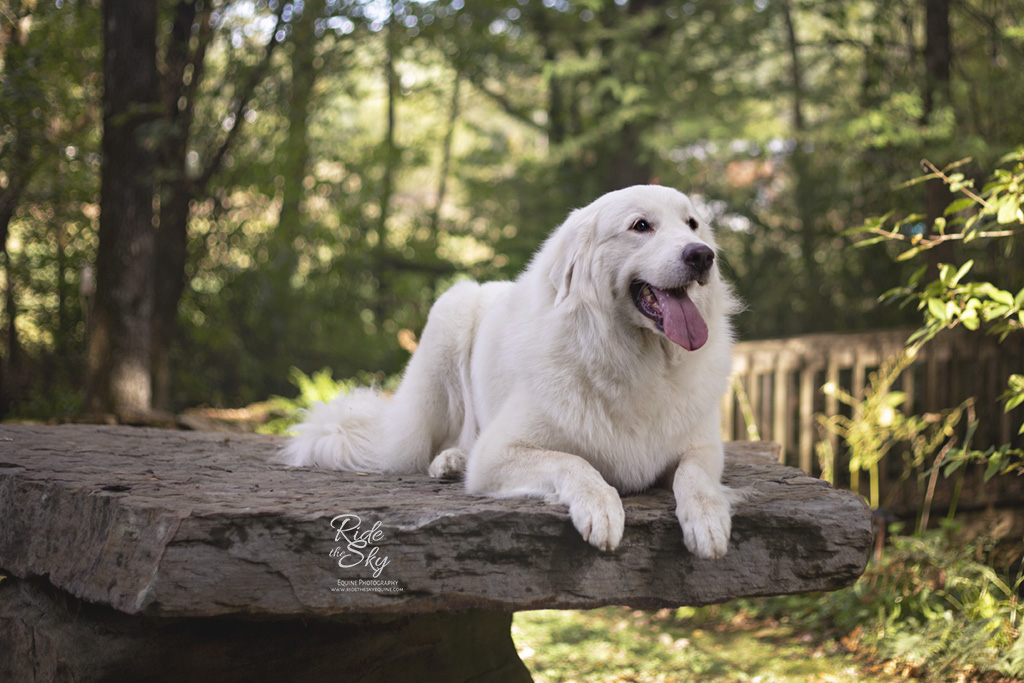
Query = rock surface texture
x=178 y=527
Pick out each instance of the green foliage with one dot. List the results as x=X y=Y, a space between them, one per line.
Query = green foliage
x=617 y=644
x=877 y=430
x=927 y=608
x=877 y=427
x=993 y=215
x=350 y=199
x=321 y=386
x=928 y=603
x=318 y=387
x=49 y=182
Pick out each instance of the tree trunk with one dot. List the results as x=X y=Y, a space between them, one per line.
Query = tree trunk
x=626 y=164
x=8 y=388
x=446 y=157
x=295 y=155
x=177 y=190
x=23 y=167
x=390 y=146
x=817 y=302
x=390 y=159
x=119 y=344
x=937 y=60
x=171 y=252
x=623 y=159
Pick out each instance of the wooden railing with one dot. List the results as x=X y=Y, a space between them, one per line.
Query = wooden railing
x=777 y=384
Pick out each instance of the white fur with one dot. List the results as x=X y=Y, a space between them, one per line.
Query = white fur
x=556 y=386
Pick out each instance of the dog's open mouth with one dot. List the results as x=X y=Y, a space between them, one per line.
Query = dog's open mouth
x=673 y=311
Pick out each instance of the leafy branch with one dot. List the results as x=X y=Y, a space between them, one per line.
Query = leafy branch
x=968 y=218
x=877 y=427
x=951 y=299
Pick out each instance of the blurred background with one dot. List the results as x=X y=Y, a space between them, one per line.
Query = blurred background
x=321 y=170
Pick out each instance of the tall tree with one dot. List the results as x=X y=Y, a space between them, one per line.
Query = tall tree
x=19 y=172
x=182 y=74
x=935 y=95
x=804 y=190
x=119 y=343
x=294 y=155
x=183 y=69
x=50 y=64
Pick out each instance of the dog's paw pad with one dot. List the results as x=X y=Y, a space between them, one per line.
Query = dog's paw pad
x=449 y=464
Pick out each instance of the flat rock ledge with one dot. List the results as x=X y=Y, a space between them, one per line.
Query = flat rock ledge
x=182 y=524
x=136 y=554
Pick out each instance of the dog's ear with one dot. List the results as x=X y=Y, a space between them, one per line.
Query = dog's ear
x=567 y=256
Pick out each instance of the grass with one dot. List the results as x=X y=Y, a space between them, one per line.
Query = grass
x=929 y=608
x=618 y=644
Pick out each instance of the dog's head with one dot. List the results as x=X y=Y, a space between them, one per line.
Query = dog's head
x=645 y=255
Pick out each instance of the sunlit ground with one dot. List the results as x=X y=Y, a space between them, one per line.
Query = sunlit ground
x=619 y=644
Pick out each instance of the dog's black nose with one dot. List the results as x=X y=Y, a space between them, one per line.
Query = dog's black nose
x=699 y=258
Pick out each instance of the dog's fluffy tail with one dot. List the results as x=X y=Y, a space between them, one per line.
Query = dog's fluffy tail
x=430 y=412
x=342 y=434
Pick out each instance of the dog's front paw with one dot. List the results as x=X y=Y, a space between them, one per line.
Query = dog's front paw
x=706 y=521
x=449 y=464
x=596 y=512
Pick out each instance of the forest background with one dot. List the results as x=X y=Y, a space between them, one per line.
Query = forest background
x=314 y=173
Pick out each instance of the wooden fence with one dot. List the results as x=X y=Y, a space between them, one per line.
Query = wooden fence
x=777 y=384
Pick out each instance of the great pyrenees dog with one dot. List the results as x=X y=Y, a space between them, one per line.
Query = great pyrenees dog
x=598 y=372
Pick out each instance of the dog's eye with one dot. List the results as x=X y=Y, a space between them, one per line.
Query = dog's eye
x=640 y=225
x=692 y=222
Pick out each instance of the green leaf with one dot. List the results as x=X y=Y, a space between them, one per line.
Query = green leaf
x=995 y=464
x=960 y=273
x=915 y=278
x=909 y=254
x=1001 y=296
x=1015 y=396
x=959 y=205
x=969 y=232
x=894 y=398
x=972 y=427
x=870 y=241
x=953 y=467
x=1009 y=211
x=1015 y=155
x=992 y=312
x=870 y=225
x=937 y=309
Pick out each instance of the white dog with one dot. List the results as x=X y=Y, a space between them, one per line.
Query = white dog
x=597 y=372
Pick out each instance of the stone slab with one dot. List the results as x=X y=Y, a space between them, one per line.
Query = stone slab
x=180 y=524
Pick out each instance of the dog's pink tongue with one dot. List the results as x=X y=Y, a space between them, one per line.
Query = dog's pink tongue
x=682 y=322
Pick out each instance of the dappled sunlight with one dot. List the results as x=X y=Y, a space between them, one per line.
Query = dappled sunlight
x=713 y=646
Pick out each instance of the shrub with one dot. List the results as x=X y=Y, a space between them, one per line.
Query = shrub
x=320 y=386
x=928 y=604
